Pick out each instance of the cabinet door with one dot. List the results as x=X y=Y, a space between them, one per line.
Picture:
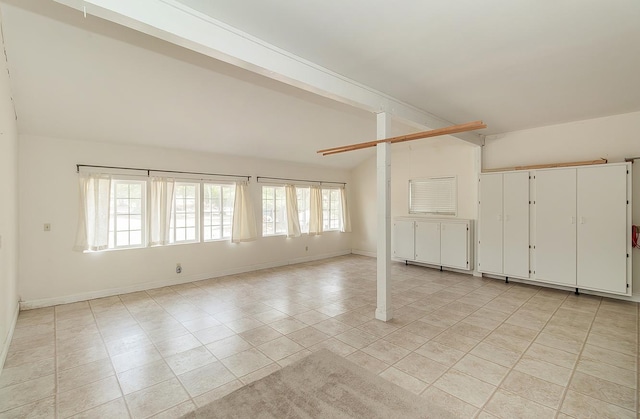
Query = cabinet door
x=516 y=224
x=602 y=228
x=453 y=245
x=403 y=240
x=428 y=242
x=555 y=207
x=490 y=224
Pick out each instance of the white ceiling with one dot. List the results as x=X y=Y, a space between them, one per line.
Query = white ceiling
x=514 y=64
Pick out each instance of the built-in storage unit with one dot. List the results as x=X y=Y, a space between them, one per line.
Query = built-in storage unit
x=573 y=231
x=440 y=242
x=503 y=224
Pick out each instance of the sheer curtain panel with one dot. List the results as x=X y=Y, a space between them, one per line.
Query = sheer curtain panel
x=161 y=201
x=293 y=221
x=345 y=224
x=315 y=210
x=93 y=212
x=244 y=218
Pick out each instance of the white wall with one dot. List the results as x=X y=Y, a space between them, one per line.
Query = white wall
x=51 y=272
x=613 y=138
x=440 y=156
x=8 y=214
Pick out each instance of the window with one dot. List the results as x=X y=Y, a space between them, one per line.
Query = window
x=303 y=208
x=127 y=212
x=274 y=212
x=331 y=209
x=185 y=213
x=437 y=195
x=218 y=211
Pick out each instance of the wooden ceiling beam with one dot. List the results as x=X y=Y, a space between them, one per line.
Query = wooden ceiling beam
x=454 y=129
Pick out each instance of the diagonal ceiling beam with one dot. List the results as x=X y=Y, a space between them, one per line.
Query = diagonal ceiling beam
x=179 y=24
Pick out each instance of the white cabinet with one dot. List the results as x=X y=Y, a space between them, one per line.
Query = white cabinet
x=437 y=242
x=579 y=222
x=403 y=241
x=454 y=245
x=503 y=246
x=602 y=233
x=582 y=227
x=490 y=224
x=427 y=240
x=555 y=226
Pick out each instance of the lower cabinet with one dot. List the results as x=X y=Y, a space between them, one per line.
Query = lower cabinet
x=445 y=243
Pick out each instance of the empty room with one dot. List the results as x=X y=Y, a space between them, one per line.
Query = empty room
x=423 y=209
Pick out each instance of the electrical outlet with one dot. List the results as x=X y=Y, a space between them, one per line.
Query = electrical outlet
x=47 y=227
x=178 y=268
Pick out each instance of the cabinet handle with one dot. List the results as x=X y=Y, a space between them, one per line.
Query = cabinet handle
x=573 y=220
x=582 y=220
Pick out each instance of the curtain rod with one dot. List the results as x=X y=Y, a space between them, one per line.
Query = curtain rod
x=78 y=166
x=298 y=180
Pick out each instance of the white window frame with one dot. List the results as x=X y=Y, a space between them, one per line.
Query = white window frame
x=434 y=195
x=174 y=227
x=275 y=211
x=326 y=221
x=223 y=217
x=113 y=221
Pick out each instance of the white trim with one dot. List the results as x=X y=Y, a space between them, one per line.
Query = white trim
x=47 y=302
x=635 y=298
x=9 y=337
x=364 y=253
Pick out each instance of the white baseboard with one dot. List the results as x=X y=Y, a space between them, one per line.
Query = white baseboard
x=8 y=338
x=634 y=297
x=364 y=253
x=67 y=299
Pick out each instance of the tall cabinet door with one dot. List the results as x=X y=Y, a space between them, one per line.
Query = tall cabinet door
x=453 y=245
x=555 y=207
x=490 y=224
x=428 y=242
x=602 y=228
x=403 y=240
x=516 y=224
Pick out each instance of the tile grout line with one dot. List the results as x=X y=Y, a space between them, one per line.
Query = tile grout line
x=448 y=368
x=575 y=366
x=161 y=355
x=511 y=369
x=115 y=373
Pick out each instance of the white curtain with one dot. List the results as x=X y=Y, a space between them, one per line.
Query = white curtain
x=345 y=223
x=93 y=212
x=315 y=210
x=161 y=201
x=293 y=220
x=244 y=219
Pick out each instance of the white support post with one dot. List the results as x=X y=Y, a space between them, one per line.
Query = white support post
x=478 y=169
x=383 y=179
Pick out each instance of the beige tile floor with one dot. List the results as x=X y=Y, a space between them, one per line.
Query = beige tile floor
x=479 y=347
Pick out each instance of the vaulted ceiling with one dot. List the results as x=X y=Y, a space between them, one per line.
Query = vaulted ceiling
x=516 y=65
